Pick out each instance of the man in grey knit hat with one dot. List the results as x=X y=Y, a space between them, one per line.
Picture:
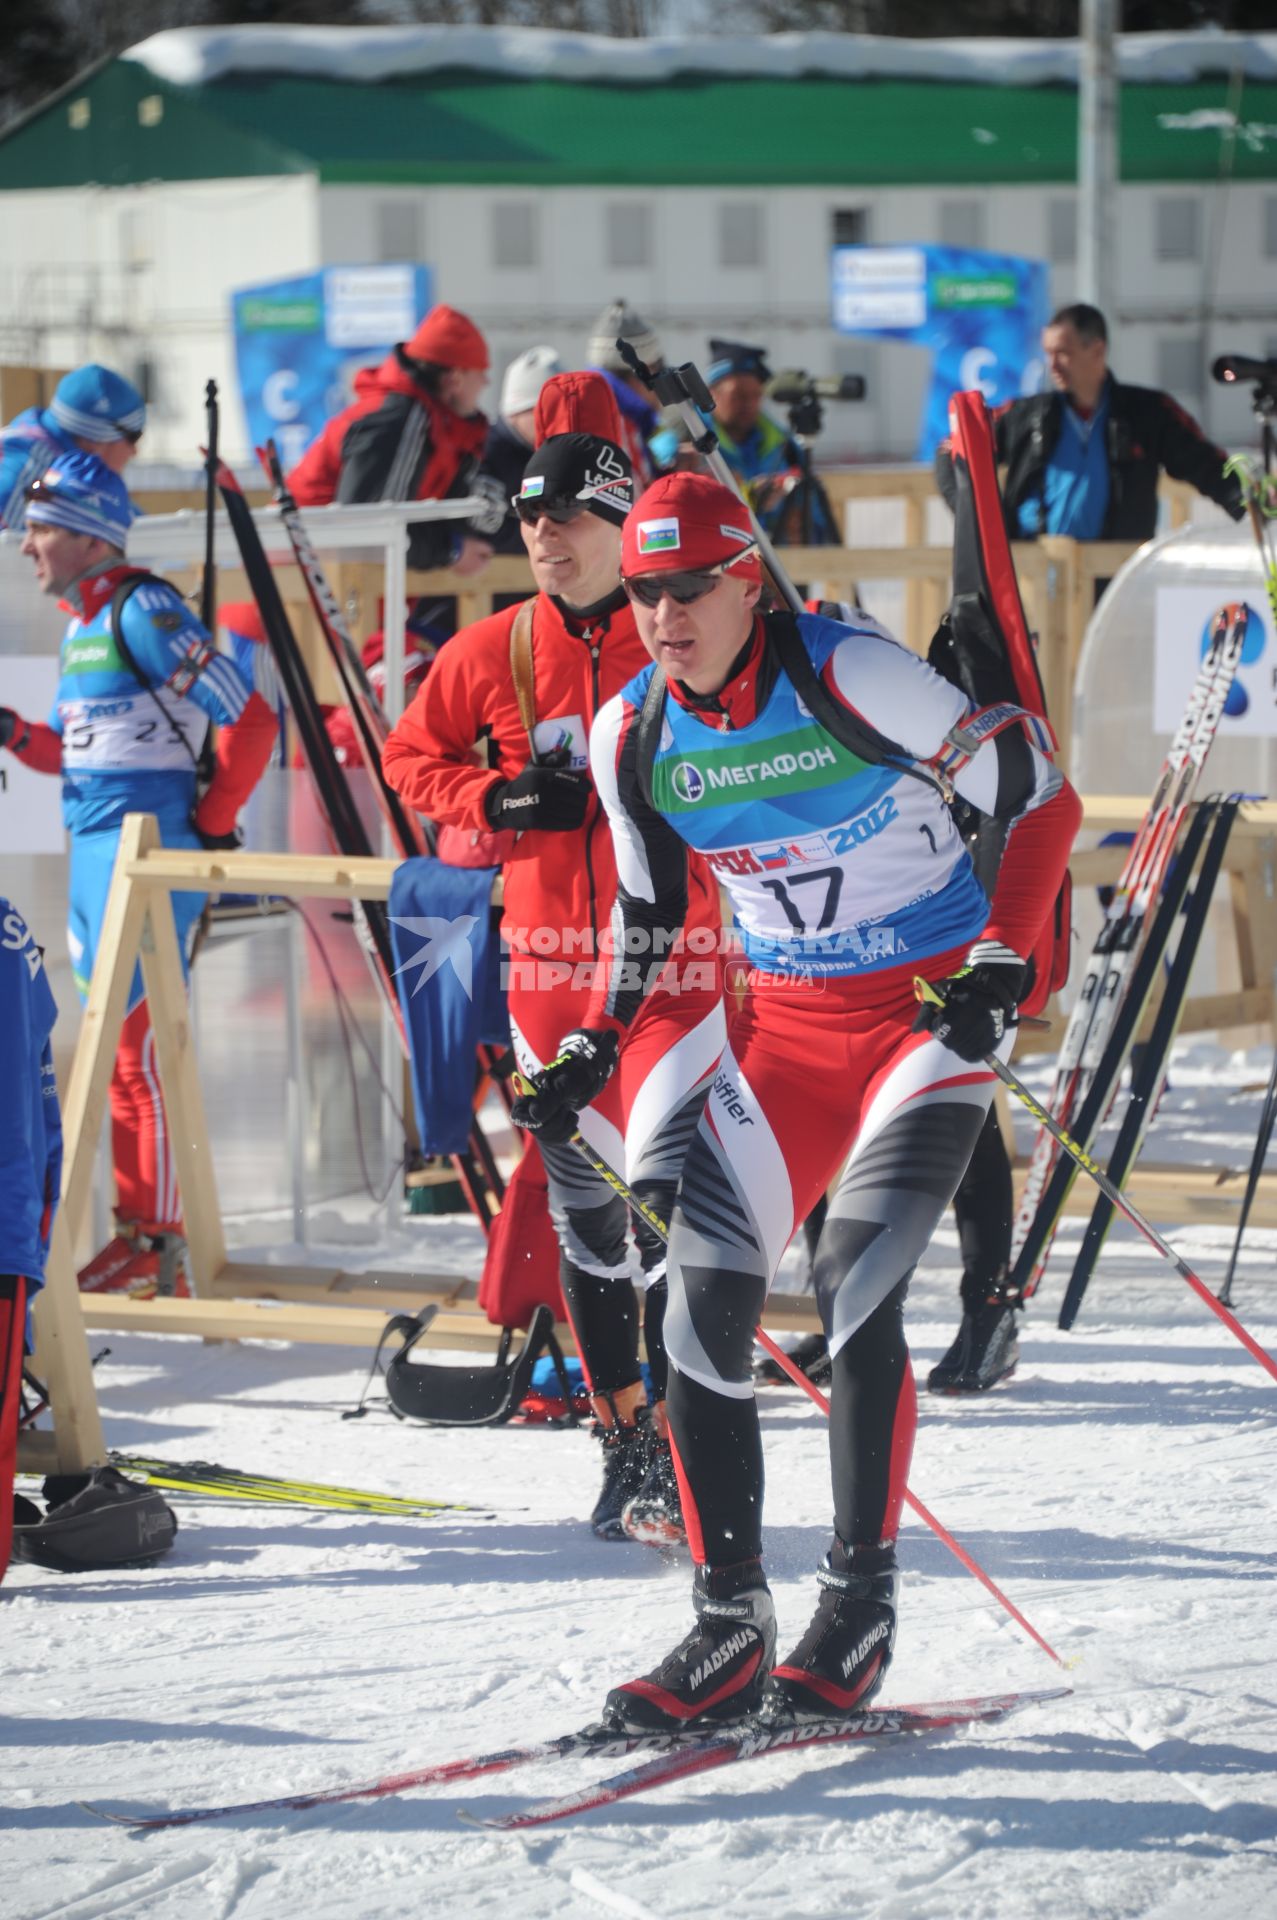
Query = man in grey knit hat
x=639 y=414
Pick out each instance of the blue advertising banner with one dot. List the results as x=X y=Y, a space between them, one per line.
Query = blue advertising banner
x=299 y=344
x=981 y=314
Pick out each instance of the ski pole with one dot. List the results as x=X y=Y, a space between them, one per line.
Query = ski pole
x=208 y=583
x=1268 y=1113
x=782 y=1359
x=683 y=387
x=928 y=994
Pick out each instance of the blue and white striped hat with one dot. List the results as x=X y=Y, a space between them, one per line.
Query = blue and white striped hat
x=92 y=403
x=82 y=494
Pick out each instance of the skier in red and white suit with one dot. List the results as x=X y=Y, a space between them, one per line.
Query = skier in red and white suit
x=559 y=890
x=848 y=879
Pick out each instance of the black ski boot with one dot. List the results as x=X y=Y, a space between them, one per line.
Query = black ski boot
x=716 y=1674
x=810 y=1356
x=841 y=1661
x=987 y=1347
x=624 y=1465
x=655 y=1515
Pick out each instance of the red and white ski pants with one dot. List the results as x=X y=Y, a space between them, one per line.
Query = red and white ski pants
x=812 y=1072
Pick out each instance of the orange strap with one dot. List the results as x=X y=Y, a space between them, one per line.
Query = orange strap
x=521 y=666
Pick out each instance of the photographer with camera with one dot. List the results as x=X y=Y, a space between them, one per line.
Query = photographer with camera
x=774 y=465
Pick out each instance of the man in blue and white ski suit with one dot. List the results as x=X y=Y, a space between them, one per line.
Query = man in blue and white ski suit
x=137 y=692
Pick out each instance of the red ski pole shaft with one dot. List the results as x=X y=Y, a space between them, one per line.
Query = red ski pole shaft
x=1114 y=1194
x=1132 y=1213
x=813 y=1392
x=915 y=1505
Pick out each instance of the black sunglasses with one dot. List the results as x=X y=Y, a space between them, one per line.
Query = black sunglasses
x=560 y=508
x=131 y=434
x=685 y=589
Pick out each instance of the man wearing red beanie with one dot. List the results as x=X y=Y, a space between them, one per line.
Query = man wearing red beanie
x=809 y=762
x=414 y=432
x=563 y=655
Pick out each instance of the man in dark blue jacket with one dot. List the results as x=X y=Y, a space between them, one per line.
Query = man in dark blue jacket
x=1085 y=458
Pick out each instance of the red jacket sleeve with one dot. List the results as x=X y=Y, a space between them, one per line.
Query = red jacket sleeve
x=429 y=756
x=1032 y=871
x=37 y=746
x=242 y=752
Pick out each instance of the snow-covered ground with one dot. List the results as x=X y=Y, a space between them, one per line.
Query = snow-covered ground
x=1121 y=1489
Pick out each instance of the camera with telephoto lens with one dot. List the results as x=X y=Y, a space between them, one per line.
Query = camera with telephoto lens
x=804 y=395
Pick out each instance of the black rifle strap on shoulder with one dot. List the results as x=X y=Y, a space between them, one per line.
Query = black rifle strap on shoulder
x=122 y=593
x=647 y=732
x=839 y=722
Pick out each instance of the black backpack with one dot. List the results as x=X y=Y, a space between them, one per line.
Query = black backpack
x=93 y=1521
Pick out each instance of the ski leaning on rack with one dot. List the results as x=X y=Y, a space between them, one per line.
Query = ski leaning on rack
x=366 y=710
x=599 y=1743
x=1149 y=1079
x=752 y=1742
x=205 y=1477
x=1089 y=1116
x=1120 y=938
x=336 y=801
x=413 y=835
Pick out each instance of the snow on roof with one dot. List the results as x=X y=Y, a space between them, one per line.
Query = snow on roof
x=198 y=56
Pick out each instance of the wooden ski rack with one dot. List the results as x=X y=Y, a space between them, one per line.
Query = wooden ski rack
x=242 y=1300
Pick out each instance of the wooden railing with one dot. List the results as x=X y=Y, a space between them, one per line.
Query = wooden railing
x=1057 y=577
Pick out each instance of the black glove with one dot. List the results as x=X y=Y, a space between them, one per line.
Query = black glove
x=217 y=842
x=979 y=1005
x=546 y=797
x=576 y=1076
x=9 y=724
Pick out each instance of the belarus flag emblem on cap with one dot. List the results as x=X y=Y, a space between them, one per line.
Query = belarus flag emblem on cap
x=657 y=536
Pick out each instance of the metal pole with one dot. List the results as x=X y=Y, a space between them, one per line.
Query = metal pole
x=297 y=1110
x=1097 y=170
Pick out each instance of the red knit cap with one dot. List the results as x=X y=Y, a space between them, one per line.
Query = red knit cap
x=449 y=339
x=685 y=521
x=577 y=403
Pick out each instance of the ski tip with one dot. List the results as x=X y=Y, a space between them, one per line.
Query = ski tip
x=477 y=1821
x=132 y=1822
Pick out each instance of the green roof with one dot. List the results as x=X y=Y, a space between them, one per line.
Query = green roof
x=453 y=128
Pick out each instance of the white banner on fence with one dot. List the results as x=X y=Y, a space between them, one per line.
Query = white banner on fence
x=30 y=803
x=1184 y=618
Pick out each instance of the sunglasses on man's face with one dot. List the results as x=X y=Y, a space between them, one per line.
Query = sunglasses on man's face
x=561 y=508
x=685 y=589
x=131 y=434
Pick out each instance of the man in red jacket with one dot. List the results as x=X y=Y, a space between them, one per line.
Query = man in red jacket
x=415 y=432
x=559 y=892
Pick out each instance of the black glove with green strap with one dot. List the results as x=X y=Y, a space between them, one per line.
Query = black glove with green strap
x=576 y=1076
x=979 y=1003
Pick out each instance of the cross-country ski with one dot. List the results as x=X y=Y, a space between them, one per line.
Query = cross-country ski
x=755 y=1743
